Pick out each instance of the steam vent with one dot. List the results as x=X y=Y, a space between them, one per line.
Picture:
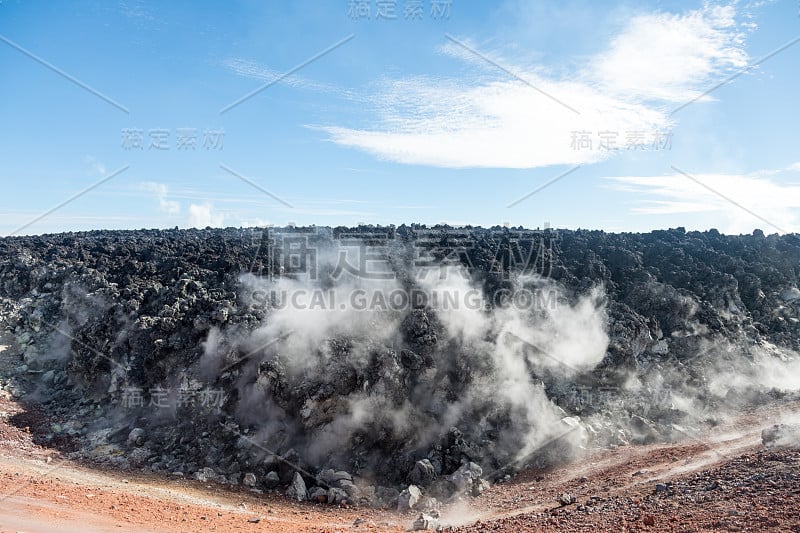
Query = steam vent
x=413 y=369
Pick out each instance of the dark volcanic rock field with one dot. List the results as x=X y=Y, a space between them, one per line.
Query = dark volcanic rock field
x=182 y=351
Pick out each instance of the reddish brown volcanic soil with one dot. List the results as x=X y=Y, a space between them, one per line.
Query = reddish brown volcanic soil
x=724 y=481
x=730 y=484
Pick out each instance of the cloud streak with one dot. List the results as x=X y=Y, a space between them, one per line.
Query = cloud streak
x=161 y=191
x=757 y=196
x=498 y=120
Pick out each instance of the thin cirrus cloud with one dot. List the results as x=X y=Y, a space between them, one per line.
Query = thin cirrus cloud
x=251 y=69
x=161 y=191
x=243 y=210
x=734 y=203
x=498 y=121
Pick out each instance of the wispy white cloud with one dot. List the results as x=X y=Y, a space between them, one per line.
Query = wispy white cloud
x=98 y=167
x=170 y=207
x=252 y=69
x=297 y=210
x=502 y=125
x=213 y=207
x=13 y=217
x=136 y=9
x=204 y=215
x=671 y=57
x=504 y=121
x=736 y=203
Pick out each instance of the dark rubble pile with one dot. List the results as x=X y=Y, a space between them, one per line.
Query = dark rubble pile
x=112 y=327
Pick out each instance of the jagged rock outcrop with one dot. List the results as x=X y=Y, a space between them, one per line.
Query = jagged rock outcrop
x=162 y=349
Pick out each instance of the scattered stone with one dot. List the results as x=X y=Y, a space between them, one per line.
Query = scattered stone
x=409 y=498
x=422 y=474
x=643 y=431
x=138 y=457
x=567 y=499
x=350 y=488
x=318 y=494
x=331 y=477
x=463 y=477
x=249 y=480
x=425 y=522
x=337 y=496
x=207 y=474
x=367 y=496
x=272 y=480
x=478 y=486
x=297 y=488
x=430 y=506
x=386 y=497
x=136 y=437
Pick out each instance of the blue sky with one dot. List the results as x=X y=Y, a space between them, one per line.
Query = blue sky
x=428 y=112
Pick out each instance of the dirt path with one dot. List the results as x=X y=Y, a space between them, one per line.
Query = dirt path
x=611 y=490
x=39 y=496
x=722 y=481
x=615 y=472
x=40 y=491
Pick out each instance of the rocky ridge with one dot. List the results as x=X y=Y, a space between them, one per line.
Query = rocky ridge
x=114 y=330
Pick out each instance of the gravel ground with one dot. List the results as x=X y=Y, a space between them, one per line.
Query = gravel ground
x=758 y=491
x=42 y=492
x=726 y=482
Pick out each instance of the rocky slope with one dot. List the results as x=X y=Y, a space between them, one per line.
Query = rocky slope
x=184 y=351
